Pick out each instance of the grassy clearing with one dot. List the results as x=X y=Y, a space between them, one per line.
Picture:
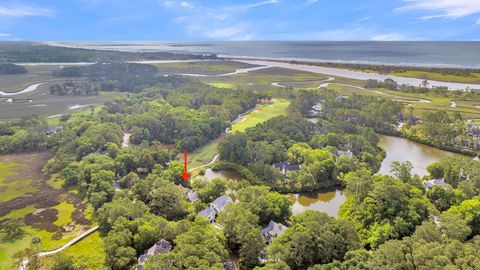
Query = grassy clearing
x=10 y=187
x=65 y=211
x=202 y=67
x=19 y=213
x=8 y=249
x=434 y=76
x=54 y=121
x=205 y=154
x=55 y=181
x=86 y=254
x=223 y=85
x=261 y=114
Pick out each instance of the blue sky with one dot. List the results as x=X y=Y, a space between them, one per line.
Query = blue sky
x=240 y=20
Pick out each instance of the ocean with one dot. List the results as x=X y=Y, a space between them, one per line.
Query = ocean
x=414 y=53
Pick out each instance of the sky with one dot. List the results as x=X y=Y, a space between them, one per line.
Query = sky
x=377 y=20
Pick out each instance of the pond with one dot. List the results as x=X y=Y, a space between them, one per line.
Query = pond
x=225 y=174
x=401 y=149
x=327 y=201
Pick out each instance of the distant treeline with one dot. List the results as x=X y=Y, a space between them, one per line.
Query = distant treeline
x=385 y=69
x=33 y=52
x=124 y=77
x=9 y=69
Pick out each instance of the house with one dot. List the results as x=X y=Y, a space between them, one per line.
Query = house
x=192 y=195
x=161 y=247
x=52 y=129
x=435 y=182
x=273 y=230
x=344 y=153
x=317 y=109
x=208 y=213
x=219 y=204
x=285 y=167
x=473 y=130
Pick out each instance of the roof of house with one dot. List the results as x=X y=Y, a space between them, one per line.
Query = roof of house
x=274 y=228
x=286 y=166
x=52 y=129
x=207 y=213
x=434 y=182
x=220 y=202
x=162 y=246
x=192 y=195
x=344 y=153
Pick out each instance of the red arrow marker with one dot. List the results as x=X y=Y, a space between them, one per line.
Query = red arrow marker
x=185 y=173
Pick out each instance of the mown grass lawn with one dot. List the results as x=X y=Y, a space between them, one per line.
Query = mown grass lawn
x=261 y=114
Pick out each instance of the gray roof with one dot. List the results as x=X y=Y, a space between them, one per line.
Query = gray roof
x=285 y=166
x=53 y=129
x=434 y=182
x=220 y=202
x=207 y=213
x=344 y=153
x=192 y=195
x=162 y=246
x=273 y=229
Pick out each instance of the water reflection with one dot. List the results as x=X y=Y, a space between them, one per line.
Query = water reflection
x=225 y=174
x=400 y=149
x=327 y=201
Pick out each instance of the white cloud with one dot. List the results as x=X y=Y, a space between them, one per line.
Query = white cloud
x=23 y=11
x=186 y=5
x=478 y=22
x=4 y=35
x=364 y=19
x=217 y=21
x=451 y=9
x=311 y=2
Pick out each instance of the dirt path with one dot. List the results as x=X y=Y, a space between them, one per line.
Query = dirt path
x=215 y=158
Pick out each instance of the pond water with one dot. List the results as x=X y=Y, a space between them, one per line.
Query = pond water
x=327 y=201
x=226 y=174
x=400 y=149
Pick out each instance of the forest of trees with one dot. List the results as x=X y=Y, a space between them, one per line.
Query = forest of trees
x=26 y=134
x=9 y=69
x=24 y=52
x=387 y=222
